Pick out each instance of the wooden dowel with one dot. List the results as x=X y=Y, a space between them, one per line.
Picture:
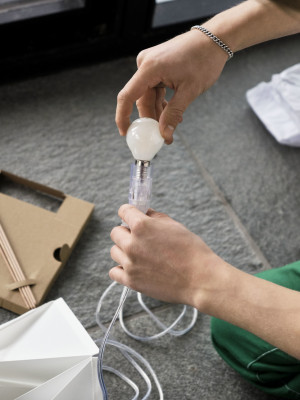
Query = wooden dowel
x=15 y=272
x=13 y=276
x=16 y=277
x=26 y=301
x=15 y=269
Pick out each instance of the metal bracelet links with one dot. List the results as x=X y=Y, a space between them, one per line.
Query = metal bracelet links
x=215 y=39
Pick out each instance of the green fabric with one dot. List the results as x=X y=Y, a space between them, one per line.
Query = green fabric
x=267 y=367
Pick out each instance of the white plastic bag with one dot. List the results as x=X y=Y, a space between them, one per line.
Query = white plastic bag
x=277 y=104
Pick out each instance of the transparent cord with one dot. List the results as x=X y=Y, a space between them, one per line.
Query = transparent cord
x=127 y=351
x=139 y=196
x=105 y=339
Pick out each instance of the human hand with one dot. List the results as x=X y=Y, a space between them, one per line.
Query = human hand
x=161 y=258
x=188 y=64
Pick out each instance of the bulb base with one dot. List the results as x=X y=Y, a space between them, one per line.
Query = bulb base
x=140 y=185
x=141 y=170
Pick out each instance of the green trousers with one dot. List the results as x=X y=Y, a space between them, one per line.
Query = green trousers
x=264 y=365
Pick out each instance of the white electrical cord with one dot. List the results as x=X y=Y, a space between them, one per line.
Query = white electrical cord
x=166 y=329
x=130 y=354
x=139 y=196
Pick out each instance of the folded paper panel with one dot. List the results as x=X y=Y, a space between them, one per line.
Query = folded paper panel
x=11 y=392
x=72 y=384
x=82 y=387
x=12 y=331
x=46 y=354
x=34 y=372
x=49 y=331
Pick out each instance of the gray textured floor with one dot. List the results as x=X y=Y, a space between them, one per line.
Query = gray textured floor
x=224 y=177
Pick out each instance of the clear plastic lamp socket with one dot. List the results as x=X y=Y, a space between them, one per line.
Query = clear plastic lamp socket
x=144 y=140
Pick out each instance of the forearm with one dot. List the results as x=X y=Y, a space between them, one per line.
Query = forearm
x=159 y=257
x=255 y=21
x=263 y=308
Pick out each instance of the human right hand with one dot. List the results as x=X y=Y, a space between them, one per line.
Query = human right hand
x=162 y=259
x=188 y=64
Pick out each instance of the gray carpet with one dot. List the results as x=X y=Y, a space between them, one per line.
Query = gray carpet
x=224 y=177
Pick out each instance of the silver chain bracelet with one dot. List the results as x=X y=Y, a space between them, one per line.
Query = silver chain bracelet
x=215 y=39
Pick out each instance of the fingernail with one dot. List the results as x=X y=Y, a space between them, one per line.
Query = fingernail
x=168 y=132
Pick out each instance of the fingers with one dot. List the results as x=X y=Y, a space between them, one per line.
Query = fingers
x=152 y=103
x=172 y=113
x=132 y=216
x=146 y=104
x=118 y=274
x=118 y=255
x=160 y=101
x=132 y=91
x=120 y=236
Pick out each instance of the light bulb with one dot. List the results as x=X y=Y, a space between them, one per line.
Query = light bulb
x=144 y=139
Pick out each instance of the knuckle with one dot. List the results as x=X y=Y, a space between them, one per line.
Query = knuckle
x=126 y=266
x=112 y=233
x=140 y=57
x=125 y=210
x=148 y=63
x=144 y=103
x=117 y=120
x=122 y=96
x=138 y=225
x=143 y=107
x=122 y=208
x=139 y=102
x=177 y=114
x=131 y=283
x=131 y=279
x=112 y=250
x=130 y=249
x=127 y=248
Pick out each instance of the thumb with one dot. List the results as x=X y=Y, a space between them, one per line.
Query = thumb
x=172 y=116
x=131 y=215
x=155 y=214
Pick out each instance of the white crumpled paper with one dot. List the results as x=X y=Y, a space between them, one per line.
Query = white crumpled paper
x=277 y=104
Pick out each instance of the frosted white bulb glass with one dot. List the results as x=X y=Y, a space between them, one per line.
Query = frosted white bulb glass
x=144 y=138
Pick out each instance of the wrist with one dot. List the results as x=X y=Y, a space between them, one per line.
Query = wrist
x=252 y=22
x=206 y=50
x=216 y=285
x=215 y=39
x=233 y=25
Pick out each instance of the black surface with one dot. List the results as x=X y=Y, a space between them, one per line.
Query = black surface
x=178 y=11
x=99 y=31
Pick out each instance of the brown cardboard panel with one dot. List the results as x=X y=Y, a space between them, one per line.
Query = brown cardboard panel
x=42 y=240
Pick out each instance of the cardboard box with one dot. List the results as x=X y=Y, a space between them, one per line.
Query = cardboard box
x=41 y=239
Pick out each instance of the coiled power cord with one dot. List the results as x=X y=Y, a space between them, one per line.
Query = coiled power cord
x=141 y=365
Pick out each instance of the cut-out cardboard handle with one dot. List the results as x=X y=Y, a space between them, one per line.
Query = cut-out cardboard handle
x=62 y=253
